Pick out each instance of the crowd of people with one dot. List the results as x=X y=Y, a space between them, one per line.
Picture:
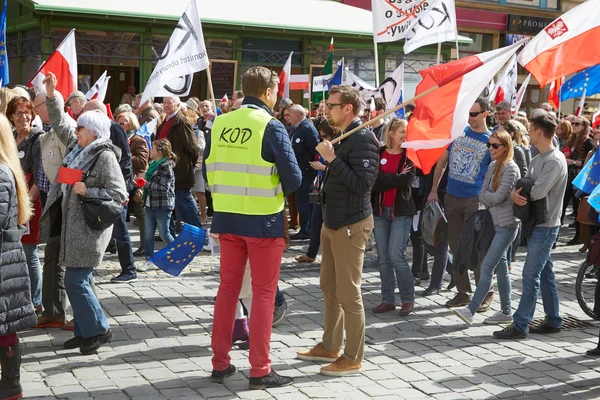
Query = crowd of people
x=505 y=183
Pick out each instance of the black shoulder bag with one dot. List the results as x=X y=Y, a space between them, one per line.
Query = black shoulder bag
x=100 y=213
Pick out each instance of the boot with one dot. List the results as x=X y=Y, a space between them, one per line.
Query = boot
x=240 y=330
x=10 y=386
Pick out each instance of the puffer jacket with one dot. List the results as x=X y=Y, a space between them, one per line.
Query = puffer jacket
x=498 y=201
x=346 y=193
x=82 y=246
x=16 y=308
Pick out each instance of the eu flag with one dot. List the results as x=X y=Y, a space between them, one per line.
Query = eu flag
x=4 y=77
x=174 y=257
x=588 y=79
x=589 y=177
x=594 y=199
x=400 y=112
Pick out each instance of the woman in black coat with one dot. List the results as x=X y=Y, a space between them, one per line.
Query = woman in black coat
x=16 y=308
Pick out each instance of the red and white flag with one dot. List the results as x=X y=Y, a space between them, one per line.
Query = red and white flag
x=434 y=124
x=521 y=94
x=299 y=82
x=98 y=91
x=596 y=120
x=284 y=78
x=225 y=99
x=554 y=92
x=507 y=84
x=63 y=64
x=372 y=107
x=579 y=110
x=569 y=44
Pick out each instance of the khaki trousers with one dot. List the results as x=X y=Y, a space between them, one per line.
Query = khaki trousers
x=343 y=253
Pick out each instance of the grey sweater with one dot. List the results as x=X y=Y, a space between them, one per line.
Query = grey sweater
x=549 y=172
x=498 y=201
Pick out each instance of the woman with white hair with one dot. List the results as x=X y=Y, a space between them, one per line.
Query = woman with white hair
x=82 y=247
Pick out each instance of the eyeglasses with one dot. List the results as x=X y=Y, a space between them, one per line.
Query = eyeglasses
x=495 y=146
x=21 y=114
x=473 y=114
x=577 y=123
x=331 y=105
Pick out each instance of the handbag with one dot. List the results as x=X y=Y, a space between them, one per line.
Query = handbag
x=99 y=213
x=583 y=211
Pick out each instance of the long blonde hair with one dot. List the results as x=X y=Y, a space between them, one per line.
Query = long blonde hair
x=392 y=126
x=9 y=157
x=505 y=139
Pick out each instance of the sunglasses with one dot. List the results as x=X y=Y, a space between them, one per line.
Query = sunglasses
x=495 y=146
x=473 y=114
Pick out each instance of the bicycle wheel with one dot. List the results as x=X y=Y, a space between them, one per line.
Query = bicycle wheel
x=585 y=288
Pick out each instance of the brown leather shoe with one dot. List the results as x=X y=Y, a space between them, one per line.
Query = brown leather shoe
x=487 y=302
x=406 y=309
x=50 y=322
x=460 y=300
x=305 y=259
x=69 y=326
x=318 y=353
x=384 y=307
x=342 y=367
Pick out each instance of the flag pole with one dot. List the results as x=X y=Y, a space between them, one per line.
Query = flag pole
x=376 y=63
x=343 y=66
x=439 y=53
x=211 y=90
x=389 y=112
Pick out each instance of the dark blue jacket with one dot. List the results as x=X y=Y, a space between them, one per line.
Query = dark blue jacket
x=276 y=148
x=118 y=137
x=305 y=139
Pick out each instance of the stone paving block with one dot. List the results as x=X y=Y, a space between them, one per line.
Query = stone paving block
x=429 y=387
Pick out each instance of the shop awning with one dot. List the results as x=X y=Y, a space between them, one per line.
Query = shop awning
x=322 y=16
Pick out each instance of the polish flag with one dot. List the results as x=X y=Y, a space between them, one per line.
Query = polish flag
x=596 y=120
x=299 y=82
x=372 y=107
x=579 y=110
x=284 y=78
x=507 y=84
x=434 y=124
x=98 y=91
x=521 y=94
x=567 y=45
x=554 y=92
x=225 y=99
x=63 y=64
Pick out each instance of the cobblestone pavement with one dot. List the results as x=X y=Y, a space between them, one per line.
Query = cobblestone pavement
x=161 y=347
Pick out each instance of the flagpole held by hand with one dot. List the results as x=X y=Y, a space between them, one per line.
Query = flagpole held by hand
x=211 y=90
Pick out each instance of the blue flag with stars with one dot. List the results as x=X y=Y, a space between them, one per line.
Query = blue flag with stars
x=589 y=177
x=588 y=79
x=400 y=112
x=4 y=77
x=175 y=256
x=594 y=199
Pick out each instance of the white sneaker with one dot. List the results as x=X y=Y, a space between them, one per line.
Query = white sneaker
x=498 y=318
x=146 y=266
x=465 y=314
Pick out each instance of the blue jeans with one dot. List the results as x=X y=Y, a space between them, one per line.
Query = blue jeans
x=186 y=208
x=391 y=239
x=303 y=206
x=87 y=312
x=35 y=272
x=121 y=235
x=154 y=217
x=316 y=223
x=495 y=261
x=538 y=275
x=442 y=261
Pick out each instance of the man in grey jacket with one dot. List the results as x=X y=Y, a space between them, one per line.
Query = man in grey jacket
x=548 y=170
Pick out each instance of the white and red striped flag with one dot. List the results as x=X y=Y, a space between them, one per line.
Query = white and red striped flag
x=554 y=92
x=63 y=64
x=521 y=94
x=579 y=110
x=299 y=82
x=596 y=120
x=284 y=78
x=98 y=91
x=507 y=84
x=567 y=45
x=434 y=124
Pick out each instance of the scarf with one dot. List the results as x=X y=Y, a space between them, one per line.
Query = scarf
x=78 y=157
x=151 y=170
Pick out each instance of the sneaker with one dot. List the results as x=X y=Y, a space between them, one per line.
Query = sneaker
x=510 y=332
x=94 y=343
x=219 y=376
x=465 y=314
x=384 y=307
x=139 y=252
x=318 y=353
x=272 y=380
x=487 y=302
x=145 y=266
x=460 y=300
x=342 y=367
x=125 y=277
x=544 y=328
x=74 y=342
x=406 y=309
x=279 y=313
x=498 y=318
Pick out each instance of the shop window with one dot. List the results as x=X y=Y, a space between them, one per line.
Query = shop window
x=481 y=42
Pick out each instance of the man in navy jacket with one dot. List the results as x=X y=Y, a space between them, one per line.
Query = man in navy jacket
x=305 y=138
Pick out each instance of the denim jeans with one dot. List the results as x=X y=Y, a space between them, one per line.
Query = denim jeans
x=87 y=312
x=538 y=276
x=442 y=261
x=186 y=208
x=391 y=239
x=121 y=235
x=156 y=217
x=35 y=272
x=303 y=206
x=495 y=261
x=316 y=223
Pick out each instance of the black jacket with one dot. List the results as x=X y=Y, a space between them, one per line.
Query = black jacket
x=534 y=212
x=403 y=203
x=305 y=139
x=349 y=179
x=475 y=240
x=119 y=138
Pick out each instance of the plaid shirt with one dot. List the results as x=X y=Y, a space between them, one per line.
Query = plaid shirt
x=42 y=180
x=161 y=187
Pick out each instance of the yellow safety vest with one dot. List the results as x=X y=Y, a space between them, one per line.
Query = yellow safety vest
x=240 y=181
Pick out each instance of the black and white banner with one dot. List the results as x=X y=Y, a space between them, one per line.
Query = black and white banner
x=436 y=25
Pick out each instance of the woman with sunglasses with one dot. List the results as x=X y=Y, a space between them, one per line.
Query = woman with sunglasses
x=500 y=179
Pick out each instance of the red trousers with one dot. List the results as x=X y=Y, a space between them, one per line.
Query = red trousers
x=265 y=261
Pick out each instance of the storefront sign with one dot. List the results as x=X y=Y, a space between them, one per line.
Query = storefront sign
x=525 y=24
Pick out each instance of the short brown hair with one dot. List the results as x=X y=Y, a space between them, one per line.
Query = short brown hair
x=257 y=80
x=17 y=101
x=349 y=96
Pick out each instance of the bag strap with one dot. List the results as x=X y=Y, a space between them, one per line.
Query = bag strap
x=93 y=164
